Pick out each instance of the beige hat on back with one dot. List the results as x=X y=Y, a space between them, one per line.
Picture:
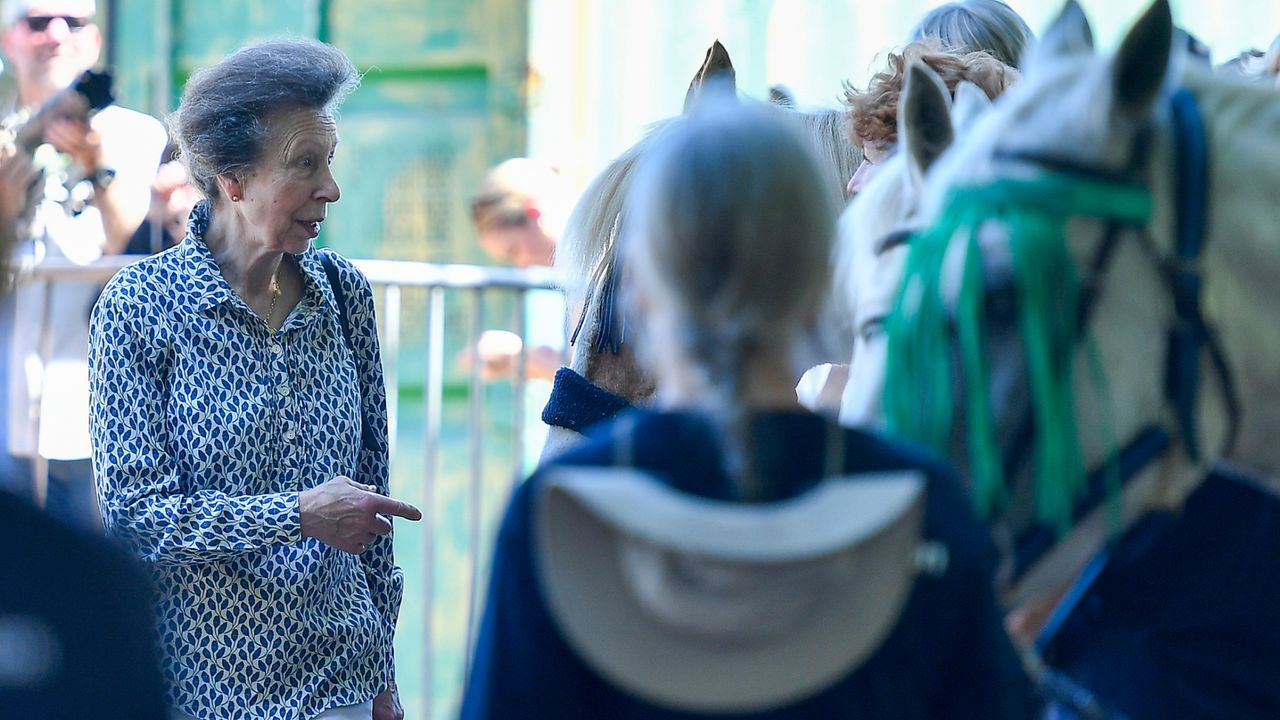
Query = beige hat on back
x=711 y=606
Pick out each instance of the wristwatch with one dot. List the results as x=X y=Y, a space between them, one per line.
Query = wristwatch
x=102 y=177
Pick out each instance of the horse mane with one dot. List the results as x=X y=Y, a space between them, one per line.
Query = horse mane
x=828 y=134
x=1252 y=113
x=589 y=234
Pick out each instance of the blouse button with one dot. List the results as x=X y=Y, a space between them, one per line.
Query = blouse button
x=290 y=435
x=283 y=390
x=275 y=348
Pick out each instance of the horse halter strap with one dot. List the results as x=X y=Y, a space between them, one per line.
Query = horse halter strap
x=1183 y=275
x=1186 y=281
x=1123 y=205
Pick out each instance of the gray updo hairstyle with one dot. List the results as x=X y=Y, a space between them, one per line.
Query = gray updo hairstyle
x=220 y=125
x=967 y=26
x=730 y=218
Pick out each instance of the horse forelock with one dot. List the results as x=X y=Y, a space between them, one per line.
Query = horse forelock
x=590 y=231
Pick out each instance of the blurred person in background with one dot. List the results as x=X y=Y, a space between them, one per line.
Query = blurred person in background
x=239 y=413
x=76 y=633
x=95 y=177
x=955 y=30
x=519 y=211
x=978 y=25
x=873 y=113
x=873 y=128
x=172 y=198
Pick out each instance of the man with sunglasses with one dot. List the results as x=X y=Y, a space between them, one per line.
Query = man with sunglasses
x=96 y=176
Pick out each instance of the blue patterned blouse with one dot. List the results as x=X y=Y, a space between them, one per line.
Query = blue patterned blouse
x=205 y=428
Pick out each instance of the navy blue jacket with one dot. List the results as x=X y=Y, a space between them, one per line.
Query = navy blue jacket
x=947 y=657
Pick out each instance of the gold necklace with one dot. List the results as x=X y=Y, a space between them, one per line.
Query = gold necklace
x=275 y=296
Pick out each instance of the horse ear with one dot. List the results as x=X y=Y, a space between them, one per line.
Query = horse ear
x=1141 y=64
x=970 y=103
x=782 y=96
x=924 y=118
x=715 y=64
x=1069 y=34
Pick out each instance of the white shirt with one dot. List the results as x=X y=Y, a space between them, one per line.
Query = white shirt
x=48 y=409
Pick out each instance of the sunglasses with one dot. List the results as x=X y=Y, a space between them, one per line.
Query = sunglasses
x=40 y=23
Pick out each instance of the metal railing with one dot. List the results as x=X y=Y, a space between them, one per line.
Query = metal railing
x=470 y=286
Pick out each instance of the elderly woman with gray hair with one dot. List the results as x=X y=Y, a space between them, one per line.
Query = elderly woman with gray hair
x=967 y=26
x=239 y=414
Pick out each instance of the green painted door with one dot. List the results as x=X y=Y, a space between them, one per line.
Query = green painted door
x=442 y=99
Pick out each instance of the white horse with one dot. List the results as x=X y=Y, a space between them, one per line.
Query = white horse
x=1075 y=106
x=871 y=248
x=603 y=372
x=1109 y=114
x=1093 y=110
x=1098 y=129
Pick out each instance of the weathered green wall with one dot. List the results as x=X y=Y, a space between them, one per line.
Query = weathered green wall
x=443 y=98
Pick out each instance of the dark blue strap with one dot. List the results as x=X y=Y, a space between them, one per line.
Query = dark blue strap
x=367 y=439
x=1193 y=175
x=1058 y=688
x=1071 y=600
x=1189 y=334
x=613 y=322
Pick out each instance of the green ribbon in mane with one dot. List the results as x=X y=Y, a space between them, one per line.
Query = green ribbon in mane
x=918 y=398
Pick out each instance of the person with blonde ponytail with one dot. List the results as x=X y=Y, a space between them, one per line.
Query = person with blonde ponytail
x=727 y=553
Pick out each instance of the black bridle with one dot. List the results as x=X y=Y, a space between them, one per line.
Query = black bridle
x=1190 y=333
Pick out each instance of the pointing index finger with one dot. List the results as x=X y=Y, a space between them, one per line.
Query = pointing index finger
x=391 y=506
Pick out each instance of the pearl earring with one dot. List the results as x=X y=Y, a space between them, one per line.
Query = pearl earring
x=235 y=198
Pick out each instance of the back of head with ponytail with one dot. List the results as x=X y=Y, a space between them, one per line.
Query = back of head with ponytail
x=729 y=242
